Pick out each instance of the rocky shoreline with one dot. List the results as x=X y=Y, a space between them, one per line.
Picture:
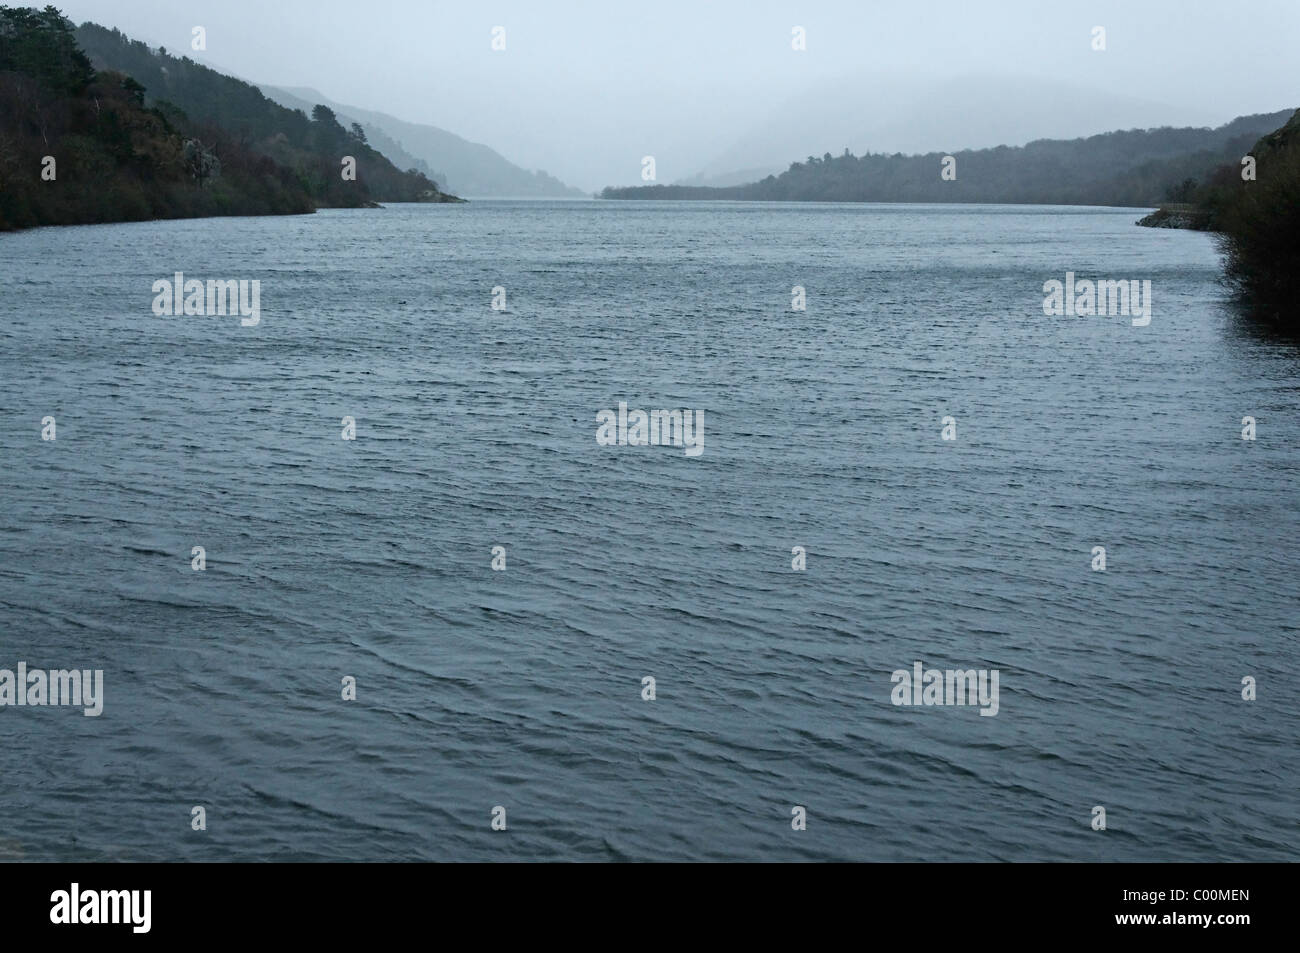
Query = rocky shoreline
x=1177 y=216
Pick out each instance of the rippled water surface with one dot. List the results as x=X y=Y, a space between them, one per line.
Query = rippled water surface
x=522 y=688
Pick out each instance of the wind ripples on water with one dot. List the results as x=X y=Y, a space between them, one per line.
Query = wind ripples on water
x=522 y=688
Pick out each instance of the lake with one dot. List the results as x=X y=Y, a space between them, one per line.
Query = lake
x=822 y=443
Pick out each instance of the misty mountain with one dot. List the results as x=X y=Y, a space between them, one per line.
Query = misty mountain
x=375 y=136
x=723 y=180
x=1134 y=168
x=892 y=114
x=467 y=168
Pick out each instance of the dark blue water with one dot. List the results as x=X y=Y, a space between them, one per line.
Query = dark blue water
x=522 y=688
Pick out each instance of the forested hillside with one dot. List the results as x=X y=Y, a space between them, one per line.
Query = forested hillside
x=77 y=146
x=1258 y=221
x=1138 y=168
x=312 y=146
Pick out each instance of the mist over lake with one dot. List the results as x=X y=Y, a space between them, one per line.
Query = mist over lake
x=475 y=428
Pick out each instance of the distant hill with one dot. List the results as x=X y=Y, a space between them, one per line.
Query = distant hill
x=727 y=179
x=1137 y=168
x=917 y=114
x=469 y=168
x=80 y=146
x=311 y=146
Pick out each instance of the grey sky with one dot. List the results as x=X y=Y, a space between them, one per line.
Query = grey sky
x=585 y=89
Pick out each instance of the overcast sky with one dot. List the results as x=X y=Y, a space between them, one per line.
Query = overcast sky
x=585 y=89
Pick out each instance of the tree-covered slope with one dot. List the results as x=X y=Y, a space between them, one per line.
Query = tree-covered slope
x=312 y=147
x=77 y=146
x=1258 y=221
